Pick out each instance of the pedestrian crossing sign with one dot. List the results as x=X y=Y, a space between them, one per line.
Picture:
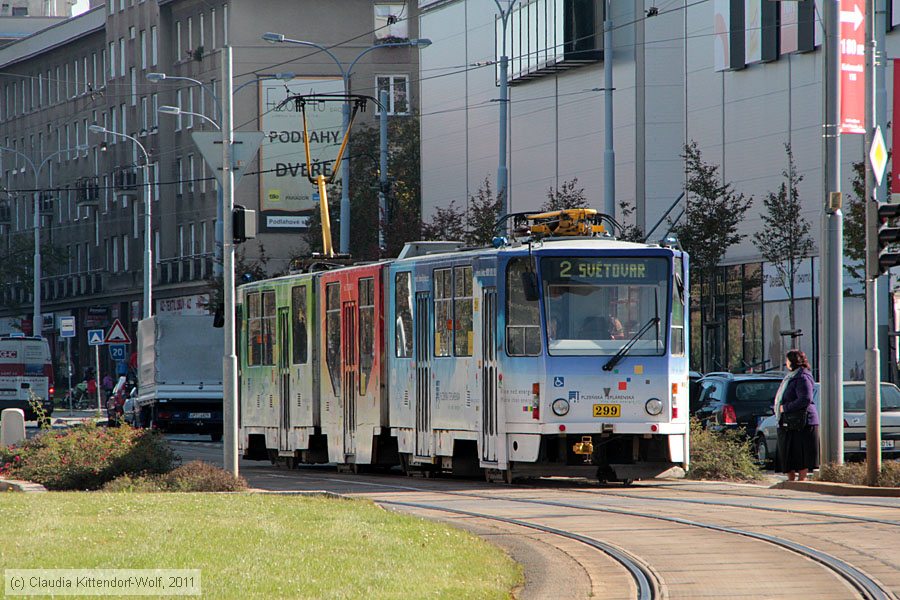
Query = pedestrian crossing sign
x=95 y=337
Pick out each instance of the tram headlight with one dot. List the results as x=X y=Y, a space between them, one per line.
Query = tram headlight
x=560 y=407
x=654 y=406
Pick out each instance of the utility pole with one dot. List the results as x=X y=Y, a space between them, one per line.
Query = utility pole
x=609 y=152
x=382 y=169
x=873 y=366
x=831 y=342
x=229 y=367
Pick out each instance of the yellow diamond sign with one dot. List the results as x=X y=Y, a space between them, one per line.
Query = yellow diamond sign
x=878 y=155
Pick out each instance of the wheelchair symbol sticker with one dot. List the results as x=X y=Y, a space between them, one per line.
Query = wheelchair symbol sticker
x=559 y=381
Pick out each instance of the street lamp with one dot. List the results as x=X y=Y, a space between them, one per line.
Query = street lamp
x=345 y=75
x=36 y=323
x=505 y=8
x=157 y=77
x=148 y=253
x=174 y=110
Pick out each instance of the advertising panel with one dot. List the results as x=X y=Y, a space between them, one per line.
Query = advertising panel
x=285 y=190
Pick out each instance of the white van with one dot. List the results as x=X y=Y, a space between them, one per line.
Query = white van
x=25 y=370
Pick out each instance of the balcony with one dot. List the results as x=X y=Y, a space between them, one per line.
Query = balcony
x=87 y=191
x=125 y=181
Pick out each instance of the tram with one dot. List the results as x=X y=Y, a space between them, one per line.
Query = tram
x=563 y=352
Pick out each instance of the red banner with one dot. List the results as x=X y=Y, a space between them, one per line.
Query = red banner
x=853 y=66
x=893 y=187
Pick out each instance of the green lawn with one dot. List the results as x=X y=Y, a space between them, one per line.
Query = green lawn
x=255 y=545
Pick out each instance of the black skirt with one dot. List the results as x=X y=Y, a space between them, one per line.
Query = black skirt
x=798 y=450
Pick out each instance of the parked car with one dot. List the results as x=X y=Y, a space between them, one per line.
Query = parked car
x=766 y=440
x=694 y=378
x=729 y=401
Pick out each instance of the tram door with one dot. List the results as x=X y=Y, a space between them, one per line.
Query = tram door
x=423 y=376
x=489 y=376
x=284 y=374
x=351 y=372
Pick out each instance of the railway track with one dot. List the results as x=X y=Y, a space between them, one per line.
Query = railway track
x=857 y=579
x=650 y=568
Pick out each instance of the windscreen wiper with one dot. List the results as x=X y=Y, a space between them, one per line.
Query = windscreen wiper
x=614 y=360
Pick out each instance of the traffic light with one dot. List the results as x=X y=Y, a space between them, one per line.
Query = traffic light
x=888 y=237
x=244 y=224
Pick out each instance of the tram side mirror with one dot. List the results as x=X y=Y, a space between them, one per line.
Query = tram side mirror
x=530 y=286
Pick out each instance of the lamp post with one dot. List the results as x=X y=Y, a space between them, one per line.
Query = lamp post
x=148 y=251
x=174 y=110
x=345 y=112
x=502 y=169
x=36 y=323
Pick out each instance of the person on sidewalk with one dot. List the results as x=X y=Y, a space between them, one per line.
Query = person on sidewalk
x=798 y=423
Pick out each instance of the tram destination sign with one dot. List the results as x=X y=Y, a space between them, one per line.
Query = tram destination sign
x=605 y=270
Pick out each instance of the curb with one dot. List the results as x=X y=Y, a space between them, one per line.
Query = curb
x=837 y=489
x=13 y=485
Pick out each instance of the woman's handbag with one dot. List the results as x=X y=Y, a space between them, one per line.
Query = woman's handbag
x=794 y=421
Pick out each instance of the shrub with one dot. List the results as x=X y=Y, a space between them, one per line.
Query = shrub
x=199 y=476
x=87 y=456
x=140 y=483
x=855 y=473
x=722 y=455
x=195 y=476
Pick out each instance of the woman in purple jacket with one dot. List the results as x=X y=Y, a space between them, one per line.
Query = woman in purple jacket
x=798 y=449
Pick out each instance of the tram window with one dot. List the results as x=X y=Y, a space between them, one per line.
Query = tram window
x=333 y=334
x=523 y=332
x=443 y=318
x=254 y=330
x=462 y=311
x=268 y=328
x=403 y=320
x=366 y=331
x=298 y=325
x=678 y=310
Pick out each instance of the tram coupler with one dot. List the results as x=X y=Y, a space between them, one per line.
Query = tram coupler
x=584 y=447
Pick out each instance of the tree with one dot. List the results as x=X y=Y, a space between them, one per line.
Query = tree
x=403 y=193
x=855 y=224
x=568 y=195
x=474 y=226
x=785 y=241
x=712 y=213
x=630 y=232
x=17 y=264
x=245 y=270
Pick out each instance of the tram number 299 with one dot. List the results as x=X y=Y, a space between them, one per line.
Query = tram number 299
x=607 y=410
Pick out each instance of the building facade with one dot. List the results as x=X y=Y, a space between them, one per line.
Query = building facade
x=741 y=79
x=93 y=69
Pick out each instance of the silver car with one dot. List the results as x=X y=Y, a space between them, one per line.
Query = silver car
x=766 y=440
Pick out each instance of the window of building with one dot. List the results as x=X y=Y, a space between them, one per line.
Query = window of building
x=366 y=331
x=299 y=341
x=145 y=123
x=190 y=116
x=143 y=49
x=133 y=75
x=333 y=335
x=225 y=24
x=190 y=177
x=190 y=34
x=95 y=79
x=121 y=57
x=154 y=45
x=178 y=117
x=462 y=311
x=543 y=35
x=178 y=47
x=131 y=32
x=391 y=21
x=124 y=252
x=179 y=174
x=403 y=319
x=20 y=11
x=397 y=88
x=156 y=246
x=523 y=331
x=212 y=29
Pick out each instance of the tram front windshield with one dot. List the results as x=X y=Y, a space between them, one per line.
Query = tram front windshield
x=595 y=305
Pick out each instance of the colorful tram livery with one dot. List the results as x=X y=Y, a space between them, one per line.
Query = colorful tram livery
x=566 y=356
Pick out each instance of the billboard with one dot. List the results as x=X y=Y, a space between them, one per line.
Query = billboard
x=287 y=197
